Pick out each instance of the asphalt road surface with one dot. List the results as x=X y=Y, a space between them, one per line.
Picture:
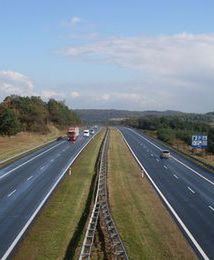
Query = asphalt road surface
x=186 y=188
x=26 y=184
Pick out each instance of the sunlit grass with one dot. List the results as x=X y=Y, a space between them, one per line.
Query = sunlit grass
x=10 y=146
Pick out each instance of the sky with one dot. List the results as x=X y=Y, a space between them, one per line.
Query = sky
x=115 y=54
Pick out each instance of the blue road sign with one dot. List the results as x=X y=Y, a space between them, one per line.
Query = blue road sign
x=199 y=141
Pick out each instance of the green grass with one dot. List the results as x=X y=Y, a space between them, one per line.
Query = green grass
x=147 y=229
x=52 y=231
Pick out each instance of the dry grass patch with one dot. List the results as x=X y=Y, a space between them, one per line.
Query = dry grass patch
x=21 y=142
x=199 y=154
x=146 y=227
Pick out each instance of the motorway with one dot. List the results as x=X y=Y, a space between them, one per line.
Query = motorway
x=26 y=184
x=186 y=188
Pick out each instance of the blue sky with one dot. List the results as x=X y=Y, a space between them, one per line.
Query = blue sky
x=136 y=55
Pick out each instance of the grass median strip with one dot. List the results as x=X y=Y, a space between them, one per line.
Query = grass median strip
x=51 y=233
x=146 y=228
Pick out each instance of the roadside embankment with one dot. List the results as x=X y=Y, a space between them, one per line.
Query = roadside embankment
x=14 y=145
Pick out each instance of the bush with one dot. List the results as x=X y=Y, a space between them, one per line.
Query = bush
x=9 y=124
x=211 y=140
x=166 y=134
x=184 y=135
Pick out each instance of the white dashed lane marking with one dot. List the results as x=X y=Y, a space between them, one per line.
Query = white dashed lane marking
x=191 y=190
x=29 y=177
x=11 y=193
x=211 y=208
x=185 y=165
x=38 y=155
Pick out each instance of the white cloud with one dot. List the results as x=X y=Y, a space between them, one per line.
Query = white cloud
x=165 y=55
x=103 y=97
x=47 y=94
x=15 y=83
x=75 y=20
x=16 y=76
x=74 y=94
x=116 y=96
x=12 y=82
x=176 y=70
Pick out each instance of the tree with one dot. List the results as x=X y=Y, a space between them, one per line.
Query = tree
x=211 y=140
x=33 y=114
x=166 y=134
x=60 y=114
x=9 y=124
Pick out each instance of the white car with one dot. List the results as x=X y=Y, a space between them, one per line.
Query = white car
x=86 y=133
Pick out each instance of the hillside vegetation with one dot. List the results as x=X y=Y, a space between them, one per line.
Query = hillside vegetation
x=33 y=114
x=112 y=115
x=171 y=128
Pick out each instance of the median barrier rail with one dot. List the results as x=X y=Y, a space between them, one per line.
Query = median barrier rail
x=101 y=210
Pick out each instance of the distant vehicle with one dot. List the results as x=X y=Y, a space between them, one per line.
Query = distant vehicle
x=86 y=133
x=92 y=131
x=59 y=138
x=165 y=154
x=73 y=133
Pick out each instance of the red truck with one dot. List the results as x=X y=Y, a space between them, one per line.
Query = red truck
x=72 y=133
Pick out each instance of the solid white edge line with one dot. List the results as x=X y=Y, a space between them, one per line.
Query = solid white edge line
x=19 y=166
x=200 y=250
x=29 y=150
x=11 y=193
x=193 y=170
x=16 y=240
x=191 y=190
x=173 y=157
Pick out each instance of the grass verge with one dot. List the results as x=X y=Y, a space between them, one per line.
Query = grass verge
x=146 y=227
x=198 y=156
x=52 y=231
x=10 y=146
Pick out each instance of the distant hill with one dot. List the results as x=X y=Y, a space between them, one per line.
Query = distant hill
x=100 y=116
x=210 y=114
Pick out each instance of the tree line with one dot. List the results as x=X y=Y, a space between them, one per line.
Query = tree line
x=33 y=114
x=168 y=128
